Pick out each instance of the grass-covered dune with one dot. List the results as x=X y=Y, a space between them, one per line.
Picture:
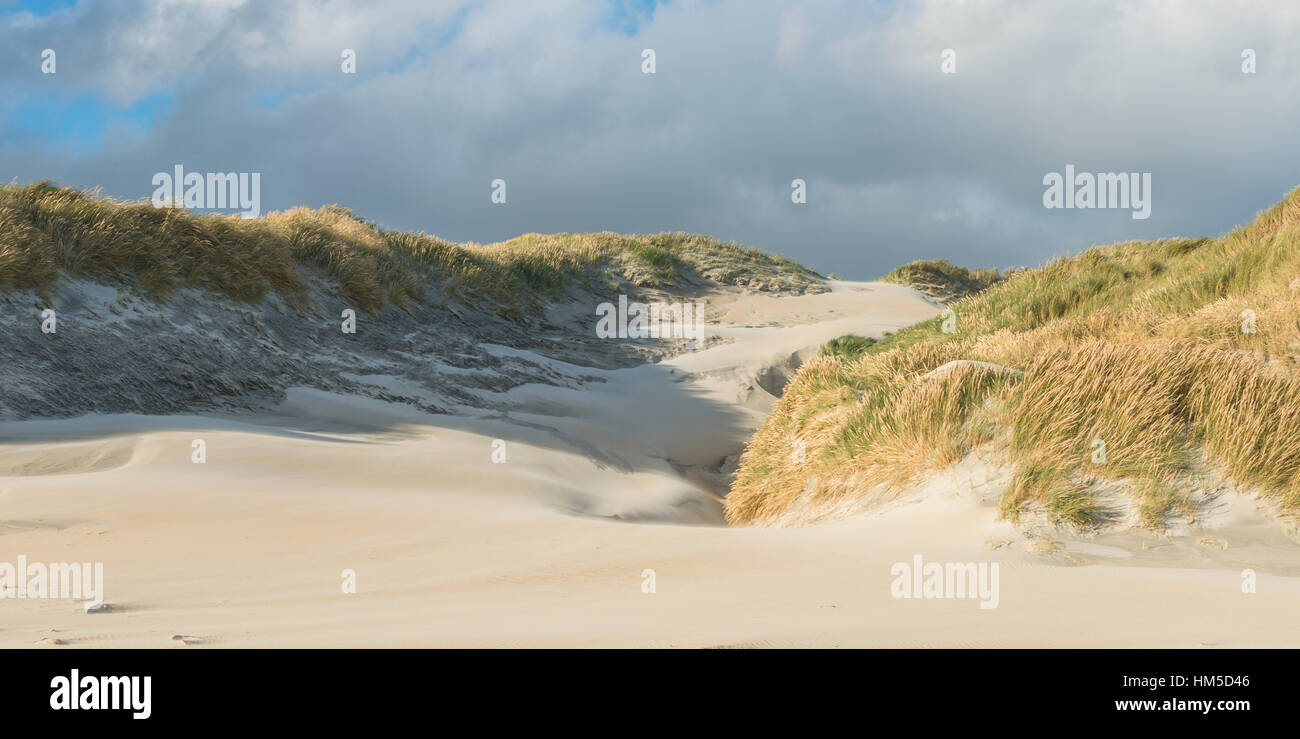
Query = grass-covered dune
x=1138 y=372
x=943 y=280
x=47 y=231
x=162 y=310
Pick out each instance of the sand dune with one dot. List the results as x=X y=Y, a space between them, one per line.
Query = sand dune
x=551 y=547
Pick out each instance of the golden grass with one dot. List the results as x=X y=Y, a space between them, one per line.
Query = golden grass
x=46 y=231
x=1138 y=345
x=943 y=280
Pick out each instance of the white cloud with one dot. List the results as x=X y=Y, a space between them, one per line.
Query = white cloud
x=901 y=161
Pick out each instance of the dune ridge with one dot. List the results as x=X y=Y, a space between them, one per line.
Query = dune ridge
x=162 y=311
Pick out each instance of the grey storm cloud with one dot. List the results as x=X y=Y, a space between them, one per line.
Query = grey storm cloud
x=901 y=161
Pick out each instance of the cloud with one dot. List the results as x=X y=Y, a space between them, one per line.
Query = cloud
x=901 y=161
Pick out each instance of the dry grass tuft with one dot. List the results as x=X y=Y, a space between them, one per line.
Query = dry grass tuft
x=1138 y=345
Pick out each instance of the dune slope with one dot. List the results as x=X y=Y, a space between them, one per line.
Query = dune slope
x=1135 y=385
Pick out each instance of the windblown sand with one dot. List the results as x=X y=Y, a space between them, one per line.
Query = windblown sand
x=550 y=548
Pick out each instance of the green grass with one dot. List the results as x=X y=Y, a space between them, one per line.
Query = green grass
x=943 y=280
x=1139 y=344
x=48 y=231
x=848 y=347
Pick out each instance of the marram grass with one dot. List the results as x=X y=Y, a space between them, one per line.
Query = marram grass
x=1140 y=367
x=943 y=280
x=48 y=231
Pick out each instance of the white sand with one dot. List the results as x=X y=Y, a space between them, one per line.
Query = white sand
x=548 y=548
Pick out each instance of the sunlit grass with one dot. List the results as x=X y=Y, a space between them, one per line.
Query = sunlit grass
x=1138 y=350
x=48 y=231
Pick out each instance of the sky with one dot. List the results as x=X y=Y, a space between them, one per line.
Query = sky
x=902 y=158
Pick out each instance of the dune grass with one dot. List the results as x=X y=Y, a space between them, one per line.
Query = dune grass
x=47 y=231
x=1145 y=367
x=849 y=346
x=943 y=280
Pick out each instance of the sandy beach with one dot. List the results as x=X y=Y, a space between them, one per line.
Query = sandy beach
x=595 y=492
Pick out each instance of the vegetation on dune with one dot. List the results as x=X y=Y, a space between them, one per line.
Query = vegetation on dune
x=47 y=230
x=849 y=346
x=1151 y=369
x=943 y=280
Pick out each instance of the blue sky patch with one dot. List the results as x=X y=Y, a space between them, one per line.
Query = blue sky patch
x=35 y=7
x=80 y=122
x=626 y=16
